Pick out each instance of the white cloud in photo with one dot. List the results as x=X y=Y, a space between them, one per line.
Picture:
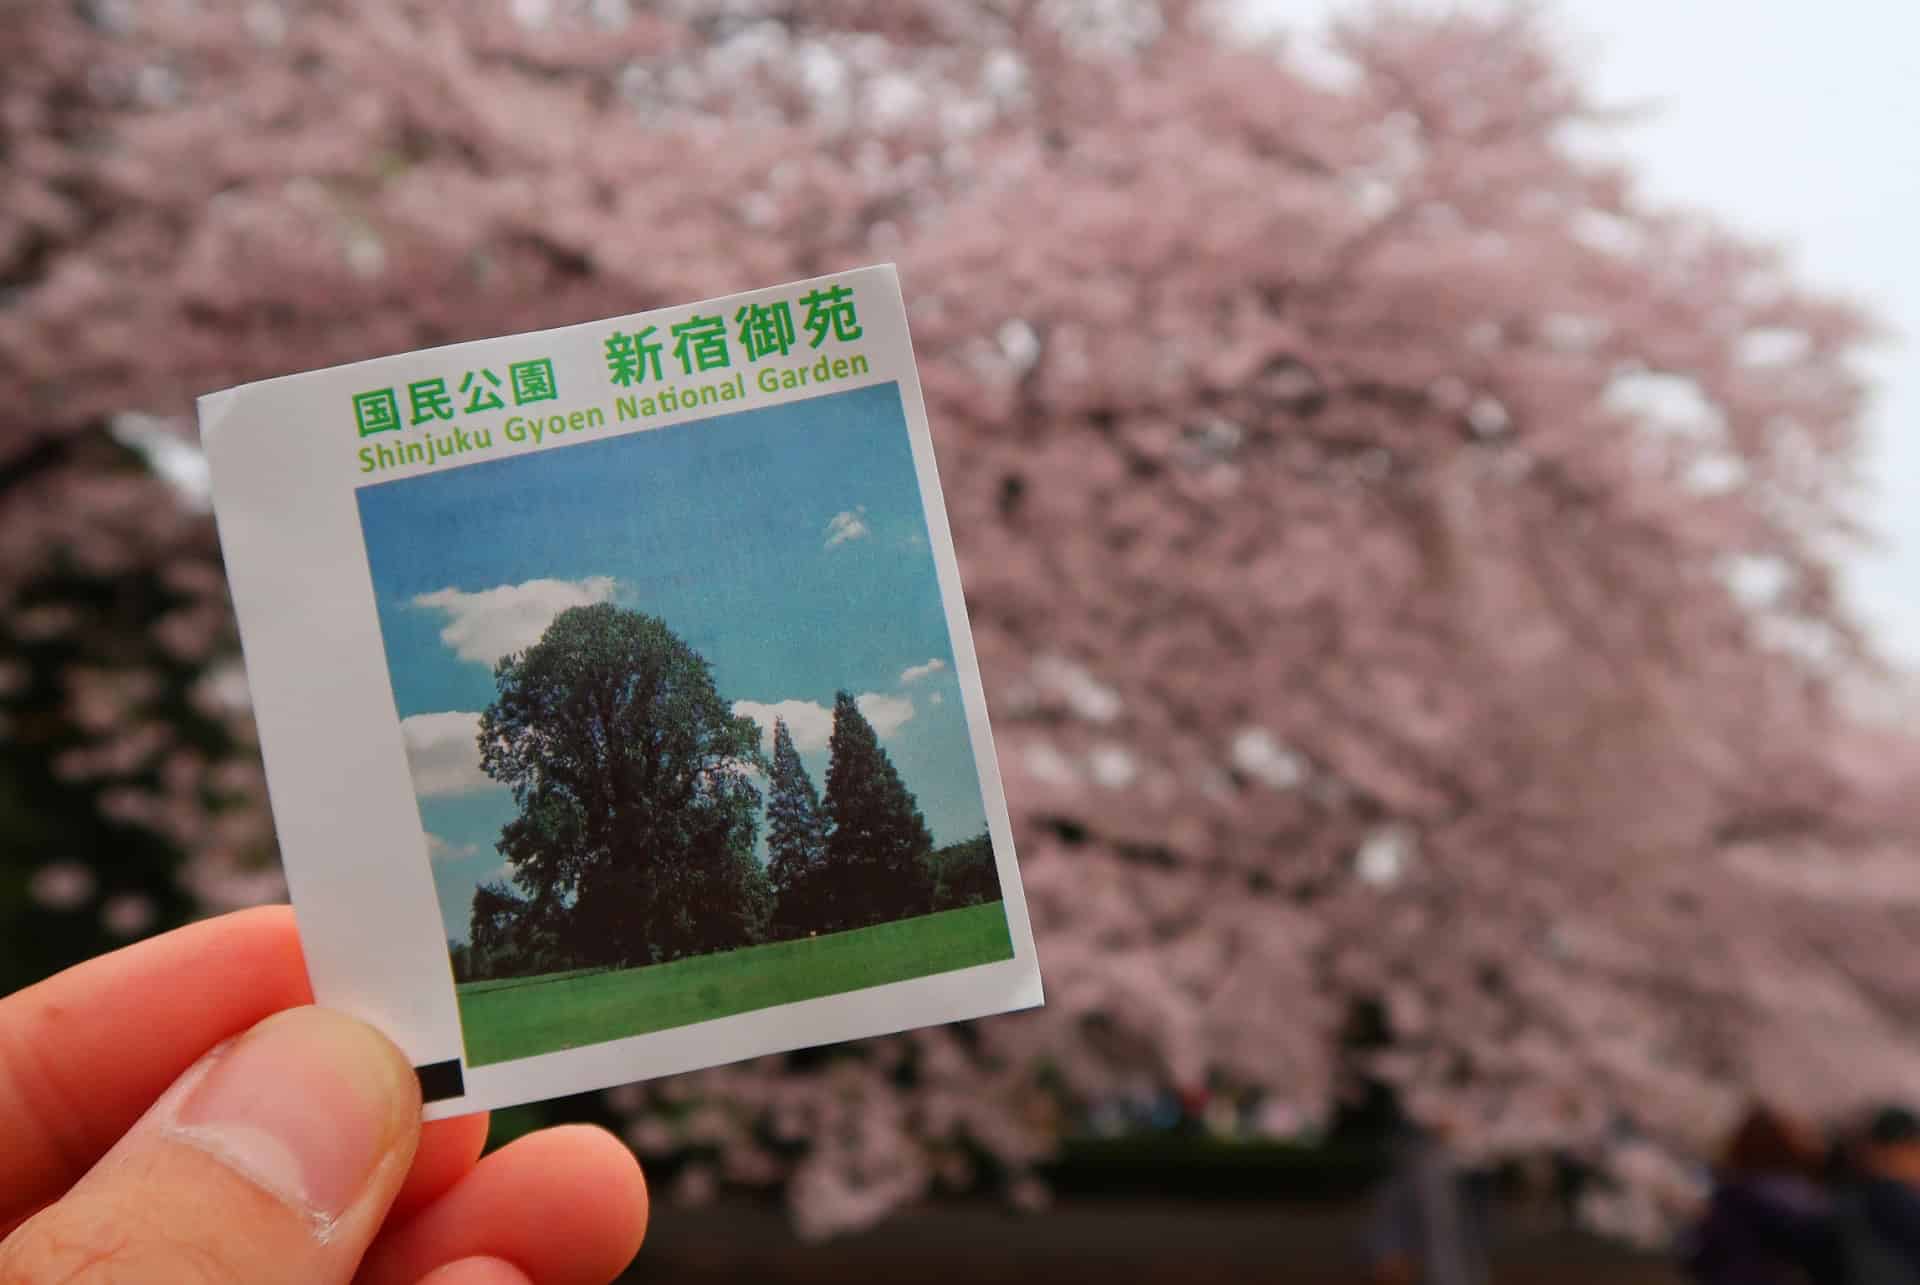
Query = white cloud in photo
x=888 y=714
x=438 y=849
x=848 y=524
x=444 y=752
x=484 y=625
x=914 y=673
x=938 y=698
x=811 y=724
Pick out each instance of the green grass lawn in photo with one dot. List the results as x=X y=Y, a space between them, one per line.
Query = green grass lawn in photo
x=504 y=1020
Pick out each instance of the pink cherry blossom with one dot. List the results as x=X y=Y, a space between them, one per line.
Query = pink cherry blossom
x=1402 y=557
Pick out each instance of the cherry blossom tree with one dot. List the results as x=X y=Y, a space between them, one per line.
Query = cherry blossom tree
x=1403 y=558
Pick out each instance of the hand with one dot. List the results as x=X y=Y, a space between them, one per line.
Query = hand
x=136 y=1146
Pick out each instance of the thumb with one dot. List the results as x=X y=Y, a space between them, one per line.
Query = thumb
x=274 y=1158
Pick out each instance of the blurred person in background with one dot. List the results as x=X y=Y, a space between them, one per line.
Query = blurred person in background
x=1877 y=1213
x=1430 y=1222
x=1769 y=1222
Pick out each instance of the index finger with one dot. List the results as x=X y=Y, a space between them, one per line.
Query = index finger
x=83 y=1053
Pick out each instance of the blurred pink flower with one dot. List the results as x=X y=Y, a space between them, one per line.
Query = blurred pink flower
x=64 y=885
x=128 y=914
x=1354 y=483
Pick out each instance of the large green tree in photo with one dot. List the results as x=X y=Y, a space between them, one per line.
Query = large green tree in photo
x=877 y=847
x=637 y=809
x=796 y=839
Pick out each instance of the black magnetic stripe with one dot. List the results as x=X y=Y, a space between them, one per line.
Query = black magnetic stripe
x=441 y=1080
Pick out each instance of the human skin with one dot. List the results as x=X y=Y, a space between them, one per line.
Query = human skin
x=177 y=1110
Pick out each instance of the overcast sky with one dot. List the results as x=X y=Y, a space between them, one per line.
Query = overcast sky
x=1798 y=122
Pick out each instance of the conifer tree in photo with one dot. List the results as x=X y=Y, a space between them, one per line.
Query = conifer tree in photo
x=796 y=839
x=878 y=844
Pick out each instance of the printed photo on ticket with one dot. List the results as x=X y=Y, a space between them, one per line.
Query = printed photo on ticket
x=616 y=693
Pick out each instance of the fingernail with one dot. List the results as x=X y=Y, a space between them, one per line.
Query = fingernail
x=305 y=1104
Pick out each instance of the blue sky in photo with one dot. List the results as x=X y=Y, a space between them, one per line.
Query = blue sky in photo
x=786 y=544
